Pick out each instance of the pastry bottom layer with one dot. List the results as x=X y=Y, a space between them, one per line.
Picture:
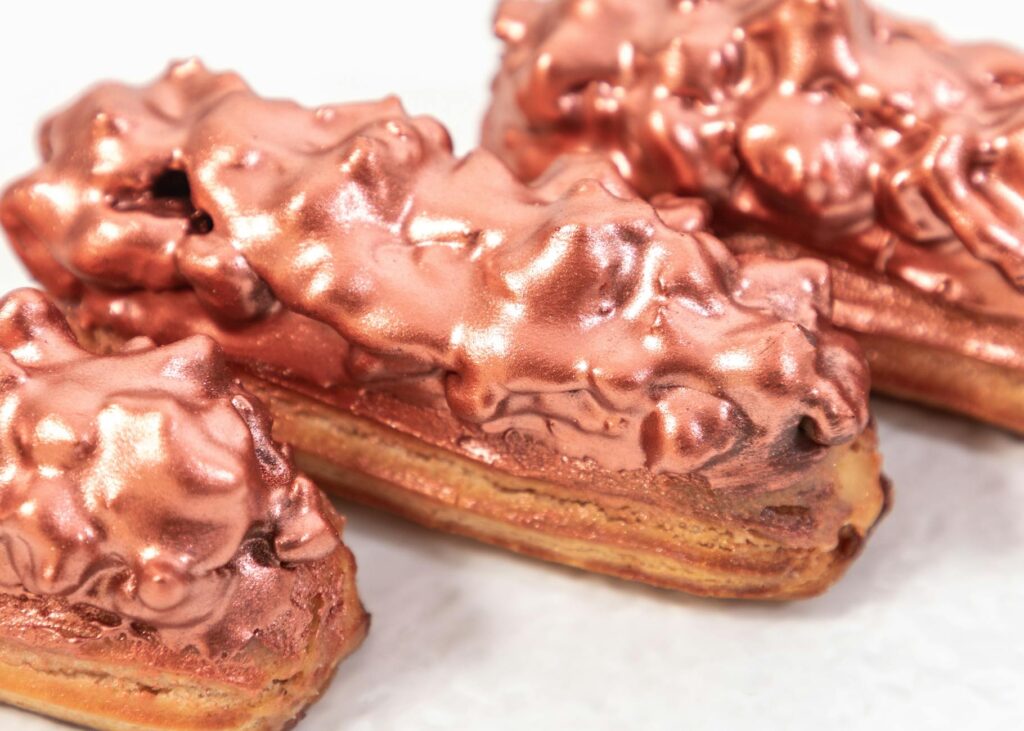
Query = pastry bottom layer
x=945 y=380
x=610 y=534
x=104 y=688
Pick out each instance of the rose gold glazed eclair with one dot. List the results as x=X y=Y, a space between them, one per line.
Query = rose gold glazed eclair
x=813 y=127
x=550 y=368
x=162 y=565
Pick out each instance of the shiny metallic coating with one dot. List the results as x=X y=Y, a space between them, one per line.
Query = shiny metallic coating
x=145 y=485
x=346 y=248
x=870 y=139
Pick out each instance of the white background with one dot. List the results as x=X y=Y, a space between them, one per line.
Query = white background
x=925 y=632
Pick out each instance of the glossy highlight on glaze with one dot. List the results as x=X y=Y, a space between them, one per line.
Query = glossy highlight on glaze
x=347 y=248
x=144 y=487
x=867 y=138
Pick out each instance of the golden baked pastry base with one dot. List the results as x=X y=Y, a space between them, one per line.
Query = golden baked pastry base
x=945 y=380
x=103 y=687
x=379 y=466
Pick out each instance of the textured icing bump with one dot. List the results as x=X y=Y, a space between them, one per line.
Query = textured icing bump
x=825 y=121
x=145 y=483
x=347 y=246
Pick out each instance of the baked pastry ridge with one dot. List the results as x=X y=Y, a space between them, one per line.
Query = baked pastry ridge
x=162 y=564
x=556 y=368
x=813 y=128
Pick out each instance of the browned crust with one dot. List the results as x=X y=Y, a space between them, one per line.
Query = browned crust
x=110 y=683
x=945 y=380
x=940 y=376
x=624 y=537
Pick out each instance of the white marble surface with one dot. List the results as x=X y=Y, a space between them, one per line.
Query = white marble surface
x=924 y=632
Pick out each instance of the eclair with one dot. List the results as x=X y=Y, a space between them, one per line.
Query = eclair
x=162 y=563
x=554 y=368
x=813 y=128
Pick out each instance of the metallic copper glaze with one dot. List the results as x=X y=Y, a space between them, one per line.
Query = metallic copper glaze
x=347 y=248
x=823 y=121
x=144 y=488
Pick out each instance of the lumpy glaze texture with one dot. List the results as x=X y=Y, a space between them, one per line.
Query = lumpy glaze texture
x=347 y=247
x=145 y=485
x=868 y=138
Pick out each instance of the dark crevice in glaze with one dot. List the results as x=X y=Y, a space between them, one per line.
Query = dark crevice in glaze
x=168 y=195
